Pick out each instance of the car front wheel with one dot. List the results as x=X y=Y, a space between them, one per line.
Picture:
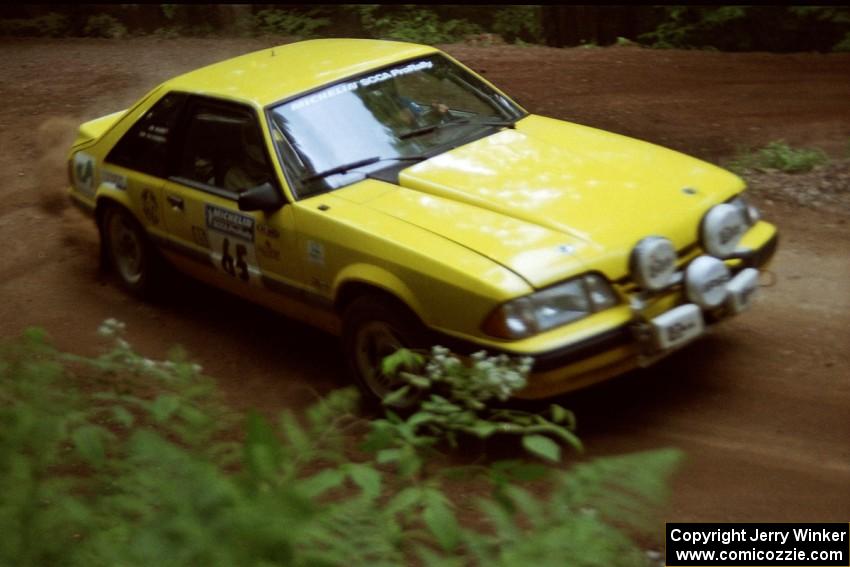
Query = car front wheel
x=373 y=328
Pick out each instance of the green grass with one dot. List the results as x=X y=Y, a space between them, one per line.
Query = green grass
x=780 y=156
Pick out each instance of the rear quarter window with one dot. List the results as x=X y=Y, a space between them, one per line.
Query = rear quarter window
x=145 y=145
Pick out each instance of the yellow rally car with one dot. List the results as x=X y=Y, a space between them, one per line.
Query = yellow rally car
x=385 y=192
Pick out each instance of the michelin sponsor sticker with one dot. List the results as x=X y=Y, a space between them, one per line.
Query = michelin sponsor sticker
x=229 y=222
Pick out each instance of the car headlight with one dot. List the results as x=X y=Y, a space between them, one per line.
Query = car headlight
x=551 y=307
x=722 y=228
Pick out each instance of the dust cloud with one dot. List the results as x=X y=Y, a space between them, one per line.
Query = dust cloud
x=54 y=137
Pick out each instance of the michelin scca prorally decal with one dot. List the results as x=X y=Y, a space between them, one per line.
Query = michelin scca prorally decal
x=228 y=222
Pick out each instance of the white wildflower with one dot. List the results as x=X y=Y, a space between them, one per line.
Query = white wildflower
x=110 y=327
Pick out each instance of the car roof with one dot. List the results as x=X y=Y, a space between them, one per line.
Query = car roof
x=276 y=73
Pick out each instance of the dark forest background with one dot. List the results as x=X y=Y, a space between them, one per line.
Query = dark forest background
x=728 y=28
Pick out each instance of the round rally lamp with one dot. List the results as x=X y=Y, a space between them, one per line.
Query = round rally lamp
x=653 y=263
x=721 y=230
x=705 y=282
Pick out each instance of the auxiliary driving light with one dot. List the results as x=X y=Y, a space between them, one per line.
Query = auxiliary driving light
x=705 y=282
x=722 y=228
x=653 y=263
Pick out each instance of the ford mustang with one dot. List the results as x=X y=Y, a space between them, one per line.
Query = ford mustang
x=388 y=194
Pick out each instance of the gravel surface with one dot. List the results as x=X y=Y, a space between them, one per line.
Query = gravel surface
x=825 y=188
x=760 y=405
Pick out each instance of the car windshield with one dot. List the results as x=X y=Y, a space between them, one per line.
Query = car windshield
x=387 y=117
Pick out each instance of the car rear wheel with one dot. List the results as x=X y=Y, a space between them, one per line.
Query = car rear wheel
x=130 y=254
x=373 y=328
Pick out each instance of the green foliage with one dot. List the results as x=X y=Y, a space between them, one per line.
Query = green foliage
x=69 y=442
x=168 y=10
x=843 y=46
x=457 y=399
x=781 y=156
x=736 y=28
x=124 y=460
x=834 y=14
x=288 y=23
x=575 y=524
x=686 y=26
x=104 y=25
x=167 y=32
x=51 y=24
x=519 y=24
x=37 y=416
x=412 y=23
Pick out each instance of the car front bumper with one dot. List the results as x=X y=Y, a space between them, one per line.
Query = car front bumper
x=623 y=347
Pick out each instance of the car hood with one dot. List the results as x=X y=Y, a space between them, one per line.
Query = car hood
x=550 y=198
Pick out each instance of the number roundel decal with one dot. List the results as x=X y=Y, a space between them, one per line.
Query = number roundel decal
x=84 y=173
x=150 y=206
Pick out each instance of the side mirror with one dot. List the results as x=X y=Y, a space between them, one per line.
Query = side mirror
x=264 y=197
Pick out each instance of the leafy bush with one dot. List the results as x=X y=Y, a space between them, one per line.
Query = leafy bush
x=457 y=399
x=288 y=23
x=519 y=23
x=828 y=16
x=167 y=32
x=781 y=156
x=124 y=460
x=169 y=11
x=688 y=26
x=410 y=23
x=51 y=24
x=104 y=25
x=843 y=46
x=740 y=28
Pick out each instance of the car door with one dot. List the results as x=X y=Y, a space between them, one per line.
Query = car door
x=138 y=162
x=221 y=152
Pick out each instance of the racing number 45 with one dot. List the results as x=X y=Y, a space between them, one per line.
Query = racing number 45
x=228 y=264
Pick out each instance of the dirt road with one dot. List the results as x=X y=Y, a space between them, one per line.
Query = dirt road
x=761 y=406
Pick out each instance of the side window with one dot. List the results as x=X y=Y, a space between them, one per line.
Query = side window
x=145 y=145
x=223 y=148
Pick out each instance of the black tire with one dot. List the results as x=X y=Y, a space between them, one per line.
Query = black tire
x=130 y=253
x=373 y=327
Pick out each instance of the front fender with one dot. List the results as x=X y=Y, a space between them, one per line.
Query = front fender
x=371 y=275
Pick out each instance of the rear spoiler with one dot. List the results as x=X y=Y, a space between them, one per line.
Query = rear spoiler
x=94 y=129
